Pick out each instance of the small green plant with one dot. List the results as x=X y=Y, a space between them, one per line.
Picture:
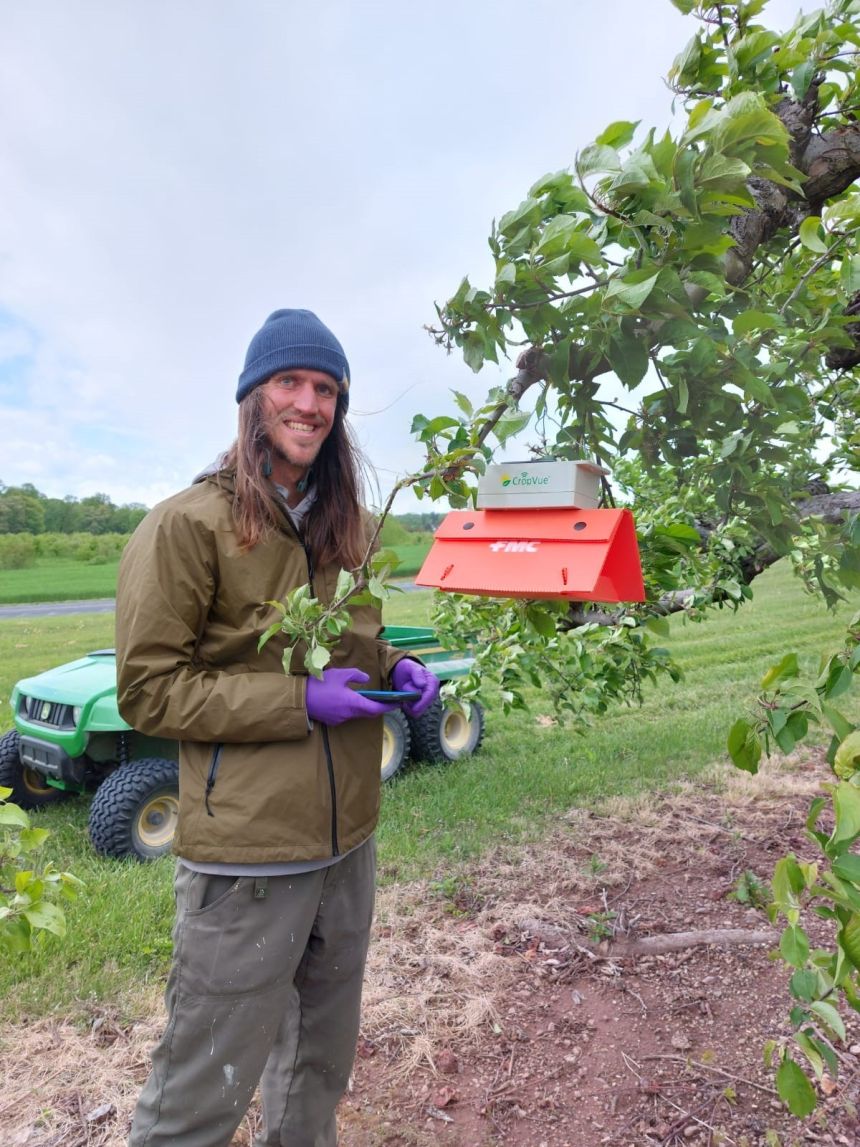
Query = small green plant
x=30 y=891
x=600 y=926
x=459 y=896
x=750 y=889
x=828 y=887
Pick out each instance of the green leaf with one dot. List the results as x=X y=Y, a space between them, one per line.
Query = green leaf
x=686 y=63
x=723 y=171
x=840 y=725
x=443 y=422
x=784 y=736
x=618 y=134
x=316 y=660
x=815 y=811
x=384 y=560
x=847 y=759
x=829 y=1017
x=810 y=1050
x=598 y=157
x=507 y=276
x=744 y=746
x=849 y=274
x=274 y=628
x=794 y=946
x=46 y=917
x=787 y=883
x=564 y=234
x=12 y=814
x=528 y=212
x=511 y=423
x=787 y=667
x=16 y=936
x=746 y=122
x=801 y=78
x=659 y=625
x=377 y=588
x=808 y=234
x=847 y=867
x=846 y=804
x=543 y=622
x=794 y=1089
x=748 y=321
x=849 y=938
x=633 y=289
x=345 y=582
x=804 y=984
x=839 y=680
x=628 y=357
x=33 y=838
x=683 y=396
x=474 y=353
x=464 y=403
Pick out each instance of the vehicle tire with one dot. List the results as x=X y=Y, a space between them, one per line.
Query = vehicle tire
x=135 y=810
x=443 y=734
x=396 y=739
x=29 y=788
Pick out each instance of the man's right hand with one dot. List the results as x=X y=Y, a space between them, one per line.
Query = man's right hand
x=331 y=701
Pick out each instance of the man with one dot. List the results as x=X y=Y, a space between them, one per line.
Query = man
x=278 y=773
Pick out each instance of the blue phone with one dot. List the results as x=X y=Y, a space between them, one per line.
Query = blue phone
x=391 y=696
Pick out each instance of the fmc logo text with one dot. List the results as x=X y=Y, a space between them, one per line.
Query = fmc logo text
x=514 y=547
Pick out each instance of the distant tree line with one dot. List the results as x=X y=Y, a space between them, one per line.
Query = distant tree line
x=25 y=510
x=419 y=523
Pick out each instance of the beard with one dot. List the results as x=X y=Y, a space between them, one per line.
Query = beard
x=287 y=456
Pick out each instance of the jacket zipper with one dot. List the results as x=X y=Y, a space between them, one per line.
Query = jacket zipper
x=213 y=773
x=335 y=848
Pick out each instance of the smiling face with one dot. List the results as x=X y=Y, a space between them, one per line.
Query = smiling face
x=300 y=407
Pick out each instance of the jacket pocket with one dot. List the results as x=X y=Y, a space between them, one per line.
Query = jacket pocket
x=212 y=775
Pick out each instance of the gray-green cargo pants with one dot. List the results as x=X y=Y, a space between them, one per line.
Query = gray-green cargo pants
x=265 y=988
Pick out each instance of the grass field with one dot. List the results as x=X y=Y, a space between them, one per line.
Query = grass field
x=434 y=817
x=59 y=579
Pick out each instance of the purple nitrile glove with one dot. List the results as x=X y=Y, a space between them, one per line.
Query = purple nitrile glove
x=331 y=701
x=408 y=674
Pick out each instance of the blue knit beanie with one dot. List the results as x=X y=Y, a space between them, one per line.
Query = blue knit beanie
x=293 y=339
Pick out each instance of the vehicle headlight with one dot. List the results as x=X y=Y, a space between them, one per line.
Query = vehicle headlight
x=76 y=713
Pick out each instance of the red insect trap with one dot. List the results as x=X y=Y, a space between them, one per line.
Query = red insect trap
x=556 y=551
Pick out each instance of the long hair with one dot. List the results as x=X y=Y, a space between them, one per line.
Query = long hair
x=334 y=529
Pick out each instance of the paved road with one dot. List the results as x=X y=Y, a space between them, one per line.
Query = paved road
x=47 y=608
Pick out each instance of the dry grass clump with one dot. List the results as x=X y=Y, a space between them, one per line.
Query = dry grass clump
x=71 y=1086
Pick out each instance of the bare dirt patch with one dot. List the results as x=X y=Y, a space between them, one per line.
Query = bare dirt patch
x=487 y=1022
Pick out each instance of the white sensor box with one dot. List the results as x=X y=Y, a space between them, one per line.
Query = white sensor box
x=540 y=485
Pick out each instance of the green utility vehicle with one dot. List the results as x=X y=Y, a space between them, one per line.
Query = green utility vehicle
x=69 y=737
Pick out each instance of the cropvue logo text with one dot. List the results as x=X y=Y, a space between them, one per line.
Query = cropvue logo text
x=524 y=479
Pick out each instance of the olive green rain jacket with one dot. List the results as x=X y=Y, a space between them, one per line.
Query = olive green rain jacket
x=257 y=781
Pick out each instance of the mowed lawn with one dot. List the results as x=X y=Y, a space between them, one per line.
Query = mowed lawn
x=62 y=579
x=434 y=816
x=58 y=579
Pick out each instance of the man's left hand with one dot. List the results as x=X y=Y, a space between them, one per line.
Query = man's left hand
x=409 y=675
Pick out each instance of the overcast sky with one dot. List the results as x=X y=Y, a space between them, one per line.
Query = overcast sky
x=175 y=170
